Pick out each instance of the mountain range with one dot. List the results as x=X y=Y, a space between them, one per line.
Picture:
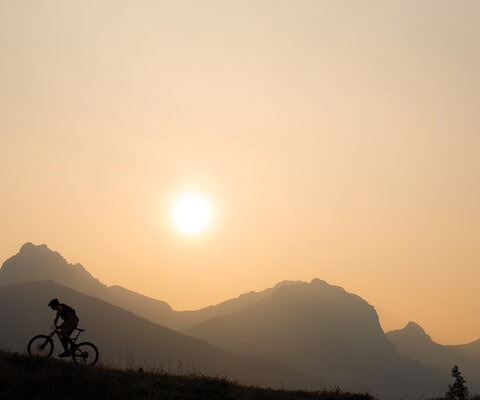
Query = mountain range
x=414 y=343
x=125 y=339
x=295 y=334
x=37 y=263
x=325 y=332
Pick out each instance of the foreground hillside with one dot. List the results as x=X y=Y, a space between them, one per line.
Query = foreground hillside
x=23 y=377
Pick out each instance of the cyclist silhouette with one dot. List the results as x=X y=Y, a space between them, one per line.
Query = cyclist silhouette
x=70 y=322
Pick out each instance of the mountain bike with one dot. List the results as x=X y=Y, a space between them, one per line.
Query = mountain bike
x=85 y=353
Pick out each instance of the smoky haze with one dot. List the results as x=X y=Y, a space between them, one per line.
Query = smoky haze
x=336 y=139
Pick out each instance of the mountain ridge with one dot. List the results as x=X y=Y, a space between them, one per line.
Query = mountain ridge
x=123 y=337
x=315 y=328
x=413 y=342
x=34 y=262
x=38 y=262
x=322 y=330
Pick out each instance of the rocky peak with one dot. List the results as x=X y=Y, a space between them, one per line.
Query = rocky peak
x=39 y=263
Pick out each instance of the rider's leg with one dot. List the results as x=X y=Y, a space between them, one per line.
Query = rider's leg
x=64 y=341
x=65 y=331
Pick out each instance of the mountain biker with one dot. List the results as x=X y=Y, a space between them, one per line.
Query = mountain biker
x=70 y=322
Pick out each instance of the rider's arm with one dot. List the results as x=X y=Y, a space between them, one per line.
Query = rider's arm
x=59 y=311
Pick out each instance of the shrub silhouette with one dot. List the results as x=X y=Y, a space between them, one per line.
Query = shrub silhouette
x=457 y=391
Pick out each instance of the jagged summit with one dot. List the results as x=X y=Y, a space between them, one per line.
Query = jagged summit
x=315 y=283
x=411 y=332
x=29 y=249
x=39 y=263
x=414 y=328
x=28 y=246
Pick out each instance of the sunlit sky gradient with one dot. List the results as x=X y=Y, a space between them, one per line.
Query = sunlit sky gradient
x=335 y=139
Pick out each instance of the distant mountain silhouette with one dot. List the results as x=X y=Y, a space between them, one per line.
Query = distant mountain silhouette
x=160 y=312
x=123 y=337
x=39 y=263
x=413 y=342
x=317 y=329
x=324 y=331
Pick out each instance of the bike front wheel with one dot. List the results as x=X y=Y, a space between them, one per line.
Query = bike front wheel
x=85 y=353
x=40 y=346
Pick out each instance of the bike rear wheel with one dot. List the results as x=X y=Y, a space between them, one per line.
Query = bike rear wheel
x=40 y=346
x=85 y=353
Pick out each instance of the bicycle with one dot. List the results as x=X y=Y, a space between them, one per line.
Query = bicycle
x=85 y=353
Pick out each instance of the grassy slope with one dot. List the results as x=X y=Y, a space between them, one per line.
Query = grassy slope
x=23 y=377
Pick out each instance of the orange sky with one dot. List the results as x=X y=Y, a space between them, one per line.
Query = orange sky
x=336 y=140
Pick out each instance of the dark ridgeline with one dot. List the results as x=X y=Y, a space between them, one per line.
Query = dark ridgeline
x=124 y=338
x=324 y=334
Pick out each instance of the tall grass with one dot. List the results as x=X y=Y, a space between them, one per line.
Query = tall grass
x=23 y=377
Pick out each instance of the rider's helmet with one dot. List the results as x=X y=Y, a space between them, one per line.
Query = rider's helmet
x=53 y=303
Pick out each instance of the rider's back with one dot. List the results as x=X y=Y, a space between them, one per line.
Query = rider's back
x=68 y=312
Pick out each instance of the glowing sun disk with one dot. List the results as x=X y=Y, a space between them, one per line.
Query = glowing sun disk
x=192 y=213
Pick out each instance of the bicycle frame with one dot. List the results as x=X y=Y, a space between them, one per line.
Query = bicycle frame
x=71 y=340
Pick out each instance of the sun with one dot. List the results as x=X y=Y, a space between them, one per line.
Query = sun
x=192 y=213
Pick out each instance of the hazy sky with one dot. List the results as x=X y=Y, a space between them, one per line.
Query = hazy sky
x=334 y=139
